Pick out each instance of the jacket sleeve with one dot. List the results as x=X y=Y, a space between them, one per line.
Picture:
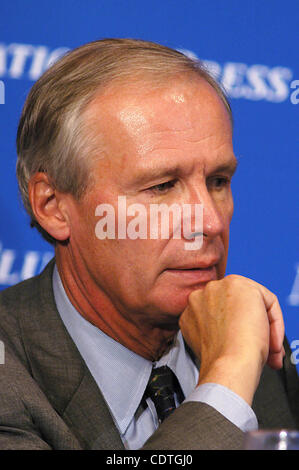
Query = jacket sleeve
x=196 y=426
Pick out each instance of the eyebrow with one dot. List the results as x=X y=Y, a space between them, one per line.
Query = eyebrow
x=156 y=173
x=230 y=166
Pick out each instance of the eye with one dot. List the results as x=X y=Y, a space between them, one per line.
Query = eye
x=162 y=187
x=218 y=182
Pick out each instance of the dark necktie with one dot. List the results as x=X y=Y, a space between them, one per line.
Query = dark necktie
x=161 y=388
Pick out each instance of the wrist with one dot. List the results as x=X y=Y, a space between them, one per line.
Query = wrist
x=239 y=375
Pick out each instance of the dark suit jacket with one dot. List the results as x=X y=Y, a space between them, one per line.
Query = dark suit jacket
x=49 y=400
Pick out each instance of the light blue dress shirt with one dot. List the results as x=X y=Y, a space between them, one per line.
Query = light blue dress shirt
x=122 y=377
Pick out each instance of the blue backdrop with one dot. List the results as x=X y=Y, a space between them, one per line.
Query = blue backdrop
x=252 y=47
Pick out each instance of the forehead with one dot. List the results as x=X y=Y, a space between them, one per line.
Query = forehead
x=138 y=121
x=129 y=101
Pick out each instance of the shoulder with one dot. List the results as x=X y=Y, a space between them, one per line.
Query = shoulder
x=13 y=298
x=19 y=302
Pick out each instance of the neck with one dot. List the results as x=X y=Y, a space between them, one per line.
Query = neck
x=132 y=329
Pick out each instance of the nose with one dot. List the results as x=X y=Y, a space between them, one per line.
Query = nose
x=212 y=222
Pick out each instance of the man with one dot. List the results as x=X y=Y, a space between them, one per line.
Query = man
x=132 y=125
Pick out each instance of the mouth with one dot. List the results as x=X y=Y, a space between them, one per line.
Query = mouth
x=193 y=275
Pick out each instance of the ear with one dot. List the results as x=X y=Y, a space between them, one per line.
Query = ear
x=48 y=206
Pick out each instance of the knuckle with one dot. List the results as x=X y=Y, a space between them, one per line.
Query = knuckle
x=234 y=278
x=194 y=297
x=212 y=285
x=275 y=298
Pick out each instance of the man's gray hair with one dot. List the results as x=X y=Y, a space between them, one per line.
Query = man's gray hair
x=52 y=134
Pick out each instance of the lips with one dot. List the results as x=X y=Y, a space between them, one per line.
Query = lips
x=207 y=263
x=193 y=275
x=188 y=267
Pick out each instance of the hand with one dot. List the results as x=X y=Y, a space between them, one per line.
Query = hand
x=234 y=326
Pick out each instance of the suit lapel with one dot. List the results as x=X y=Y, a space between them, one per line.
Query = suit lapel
x=60 y=371
x=89 y=415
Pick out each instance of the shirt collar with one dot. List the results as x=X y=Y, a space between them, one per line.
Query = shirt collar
x=121 y=374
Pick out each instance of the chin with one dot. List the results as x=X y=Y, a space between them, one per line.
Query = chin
x=167 y=308
x=173 y=305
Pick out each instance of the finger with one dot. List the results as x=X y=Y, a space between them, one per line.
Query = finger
x=277 y=329
x=276 y=325
x=275 y=360
x=275 y=317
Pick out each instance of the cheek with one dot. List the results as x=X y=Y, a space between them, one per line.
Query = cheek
x=227 y=213
x=82 y=221
x=226 y=207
